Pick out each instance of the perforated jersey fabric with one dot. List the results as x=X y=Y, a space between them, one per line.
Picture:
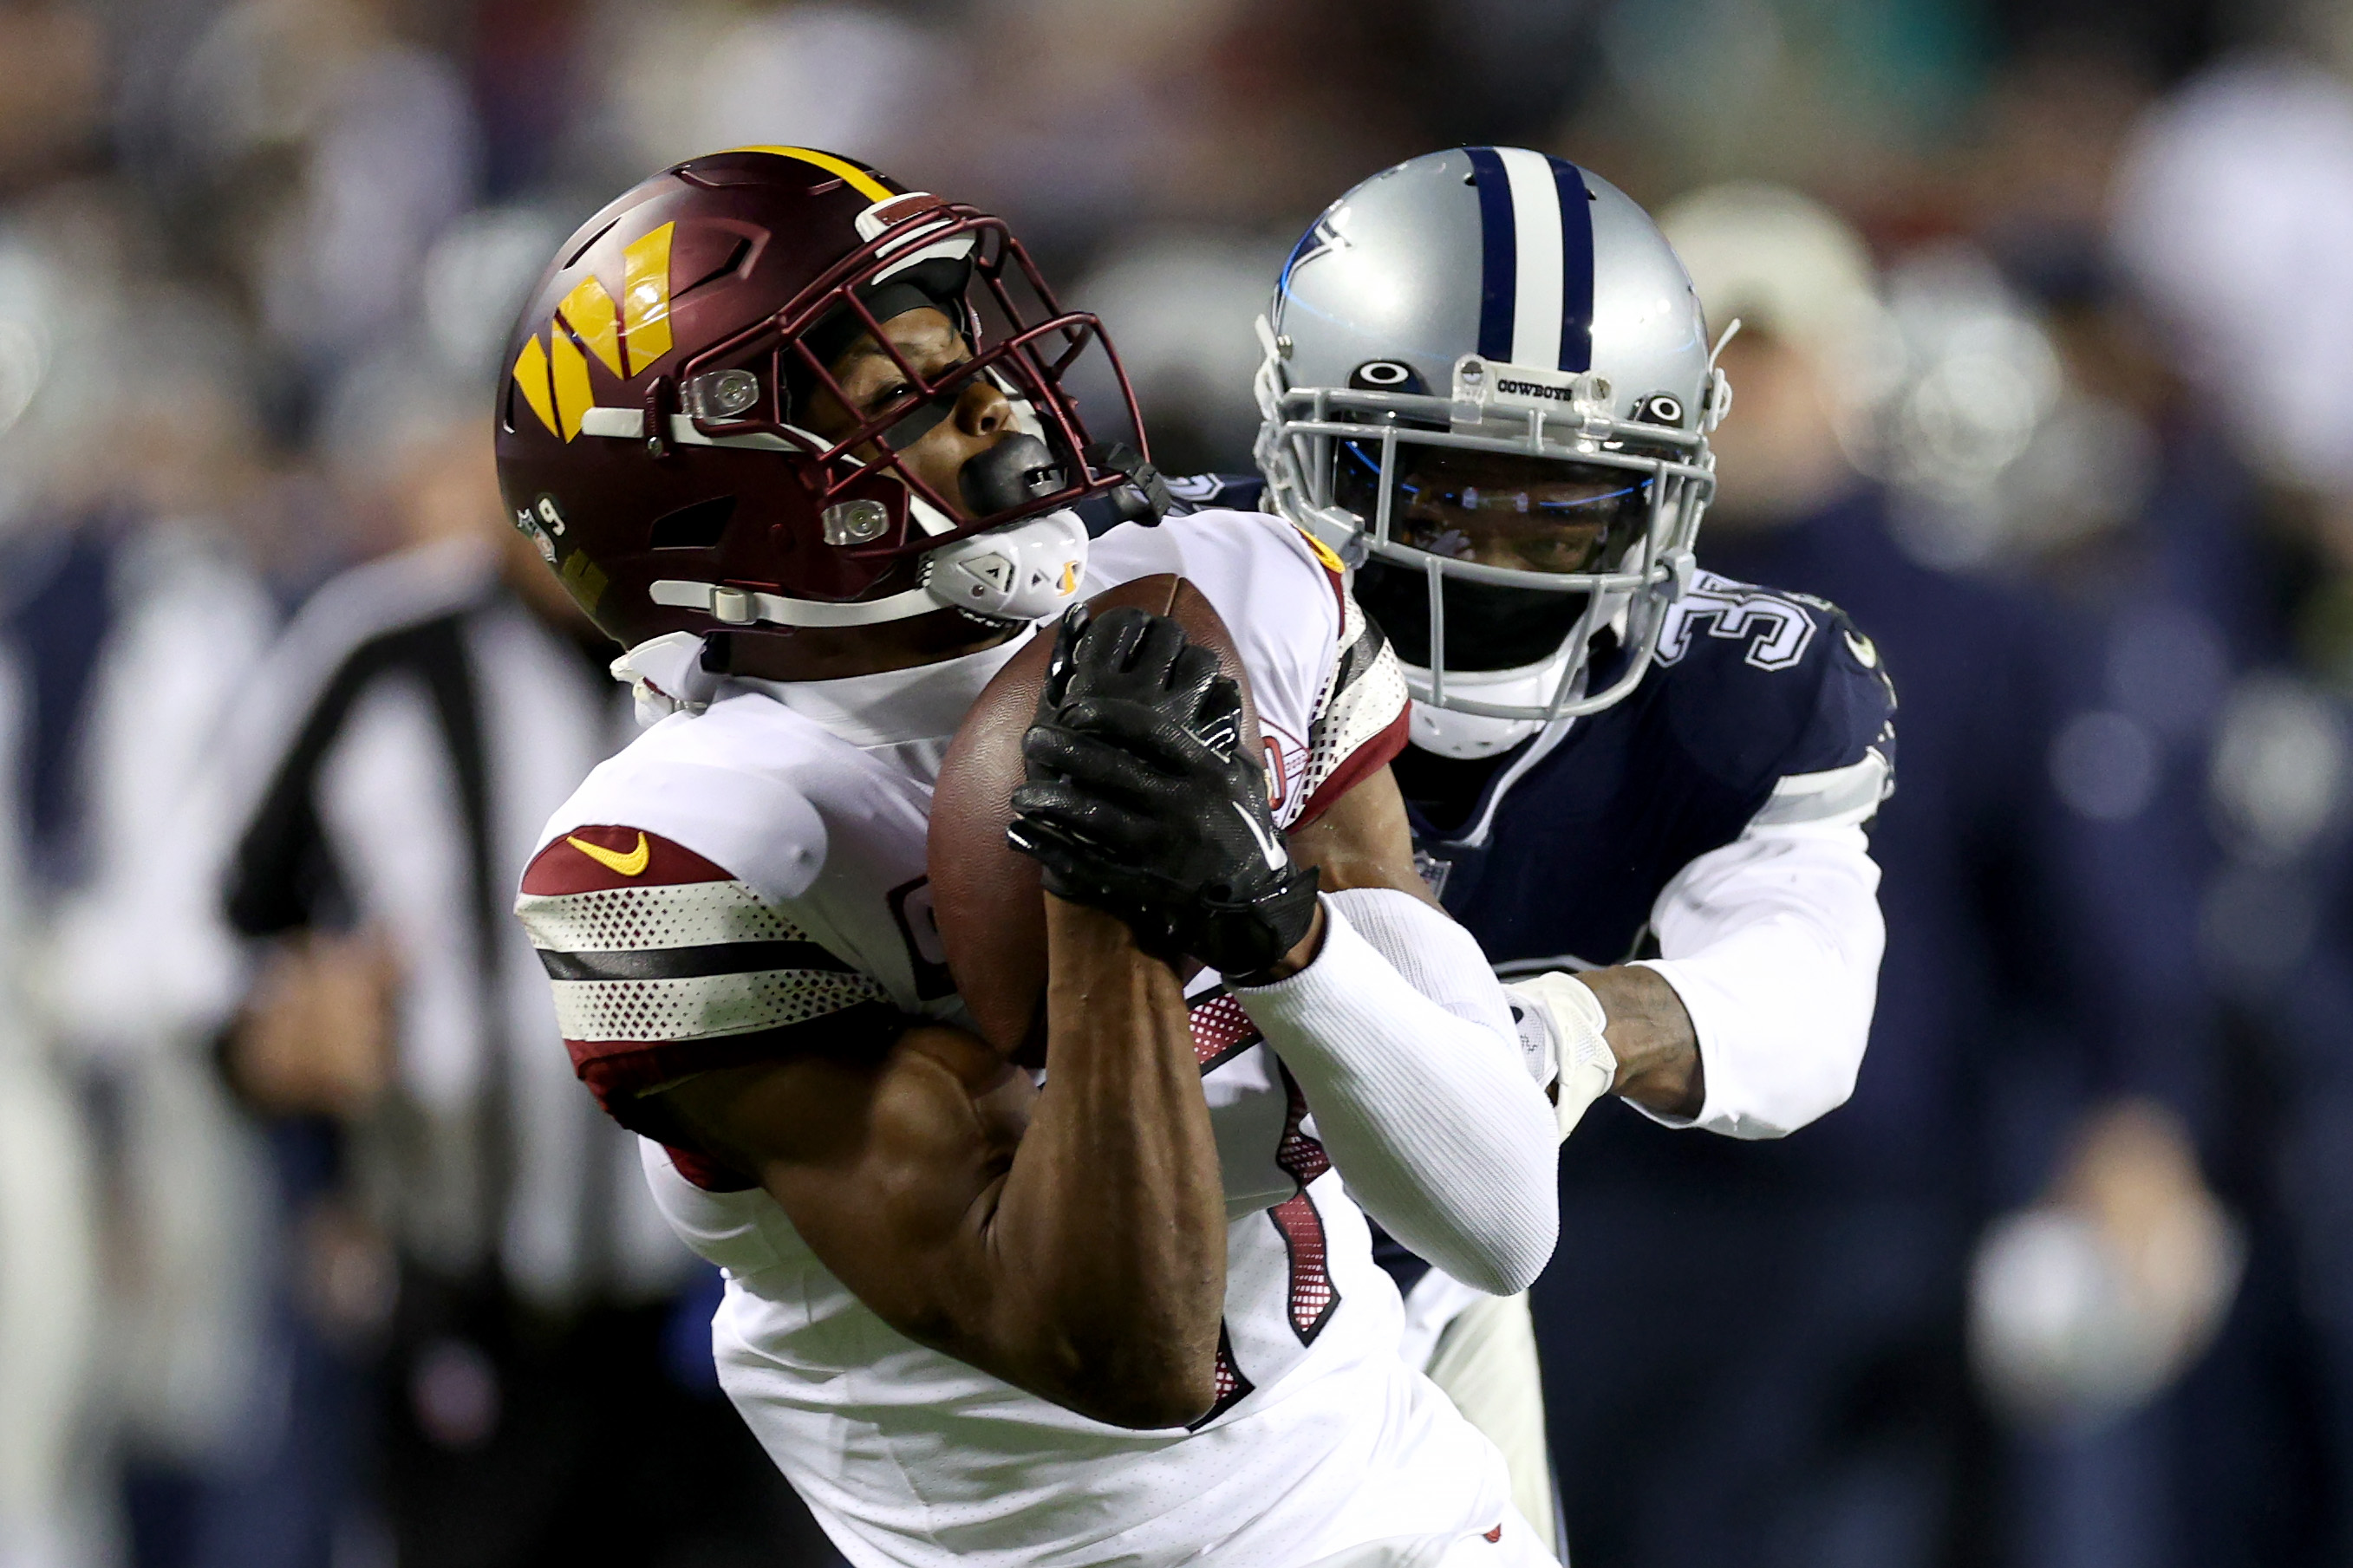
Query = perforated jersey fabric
x=634 y=918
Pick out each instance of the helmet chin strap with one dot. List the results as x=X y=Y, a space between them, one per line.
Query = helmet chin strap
x=1465 y=736
x=1025 y=571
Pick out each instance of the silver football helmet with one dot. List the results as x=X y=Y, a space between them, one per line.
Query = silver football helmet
x=1488 y=385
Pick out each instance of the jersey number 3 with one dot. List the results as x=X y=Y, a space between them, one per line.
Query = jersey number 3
x=1778 y=631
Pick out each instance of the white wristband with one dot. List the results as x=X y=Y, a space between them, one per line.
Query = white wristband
x=1571 y=1018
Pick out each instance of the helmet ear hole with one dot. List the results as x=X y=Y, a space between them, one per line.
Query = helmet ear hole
x=697 y=527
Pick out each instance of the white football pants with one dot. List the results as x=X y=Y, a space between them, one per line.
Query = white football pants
x=1482 y=1350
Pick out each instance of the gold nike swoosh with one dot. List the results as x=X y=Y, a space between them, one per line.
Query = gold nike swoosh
x=627 y=864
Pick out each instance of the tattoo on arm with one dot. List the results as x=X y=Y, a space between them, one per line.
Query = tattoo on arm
x=1651 y=1035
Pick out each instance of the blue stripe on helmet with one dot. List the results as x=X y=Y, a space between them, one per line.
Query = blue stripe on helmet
x=1499 y=255
x=1307 y=243
x=1576 y=266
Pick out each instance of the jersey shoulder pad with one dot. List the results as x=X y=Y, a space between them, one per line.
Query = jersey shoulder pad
x=1364 y=717
x=1267 y=581
x=738 y=784
x=664 y=965
x=1766 y=684
x=665 y=905
x=1231 y=492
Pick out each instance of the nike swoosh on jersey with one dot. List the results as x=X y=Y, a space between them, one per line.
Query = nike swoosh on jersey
x=629 y=865
x=1277 y=857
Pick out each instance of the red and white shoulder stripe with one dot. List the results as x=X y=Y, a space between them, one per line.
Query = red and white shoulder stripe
x=664 y=965
x=1363 y=716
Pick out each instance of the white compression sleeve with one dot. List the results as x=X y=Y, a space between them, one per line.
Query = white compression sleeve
x=1404 y=1045
x=1773 y=944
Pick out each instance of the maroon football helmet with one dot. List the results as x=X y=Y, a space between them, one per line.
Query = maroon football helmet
x=649 y=436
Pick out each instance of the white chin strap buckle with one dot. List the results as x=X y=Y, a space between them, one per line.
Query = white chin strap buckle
x=1023 y=572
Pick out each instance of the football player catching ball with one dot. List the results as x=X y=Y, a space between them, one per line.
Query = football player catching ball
x=799 y=439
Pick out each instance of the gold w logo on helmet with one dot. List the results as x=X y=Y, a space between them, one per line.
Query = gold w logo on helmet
x=552 y=375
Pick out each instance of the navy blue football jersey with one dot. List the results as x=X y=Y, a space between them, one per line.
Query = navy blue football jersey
x=1751 y=686
x=1201 y=492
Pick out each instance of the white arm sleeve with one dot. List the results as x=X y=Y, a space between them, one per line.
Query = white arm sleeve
x=1773 y=944
x=1404 y=1045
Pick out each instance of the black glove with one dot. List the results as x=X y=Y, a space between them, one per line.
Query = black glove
x=1130 y=653
x=1141 y=801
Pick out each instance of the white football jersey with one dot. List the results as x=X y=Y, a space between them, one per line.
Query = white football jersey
x=748 y=867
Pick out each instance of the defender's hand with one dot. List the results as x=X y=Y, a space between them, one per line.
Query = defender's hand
x=1562 y=1026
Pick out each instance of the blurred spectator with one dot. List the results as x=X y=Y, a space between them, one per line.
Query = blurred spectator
x=305 y=151
x=689 y=79
x=50 y=113
x=2245 y=266
x=531 y=1398
x=131 y=614
x=1184 y=301
x=1850 y=95
x=2233 y=203
x=50 y=1516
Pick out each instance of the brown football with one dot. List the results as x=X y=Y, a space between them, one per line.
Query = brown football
x=985 y=893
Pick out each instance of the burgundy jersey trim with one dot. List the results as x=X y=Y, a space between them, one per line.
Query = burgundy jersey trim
x=1360 y=764
x=1232 y=1386
x=706 y=1173
x=1313 y=1294
x=1302 y=1158
x=593 y=860
x=1221 y=1030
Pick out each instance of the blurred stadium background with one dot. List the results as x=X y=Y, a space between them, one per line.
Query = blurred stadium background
x=2048 y=375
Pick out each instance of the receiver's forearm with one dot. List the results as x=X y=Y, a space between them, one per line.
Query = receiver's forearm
x=1112 y=1215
